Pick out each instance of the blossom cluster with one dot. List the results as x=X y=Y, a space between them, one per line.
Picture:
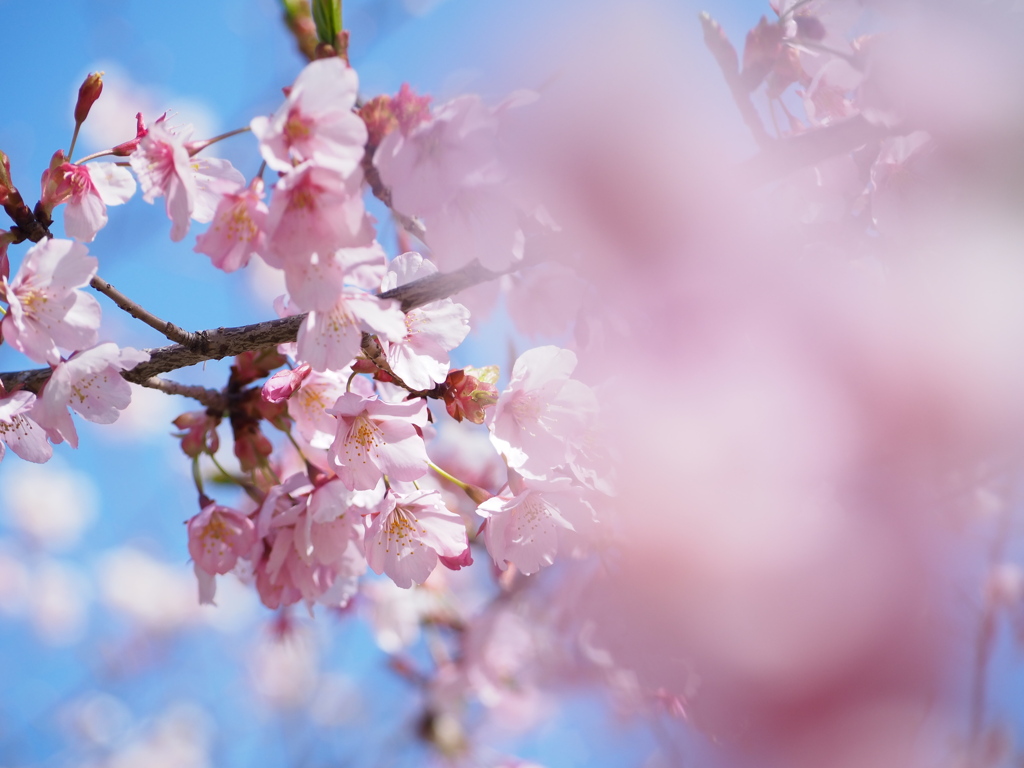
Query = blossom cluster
x=353 y=395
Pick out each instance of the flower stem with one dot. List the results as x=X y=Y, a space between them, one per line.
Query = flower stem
x=446 y=476
x=475 y=492
x=93 y=156
x=195 y=147
x=197 y=476
x=74 y=140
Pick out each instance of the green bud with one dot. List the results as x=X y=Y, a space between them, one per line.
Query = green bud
x=327 y=17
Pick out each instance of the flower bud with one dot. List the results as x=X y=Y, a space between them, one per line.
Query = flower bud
x=7 y=187
x=87 y=95
x=282 y=384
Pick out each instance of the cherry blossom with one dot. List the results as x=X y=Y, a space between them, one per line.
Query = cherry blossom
x=19 y=431
x=163 y=168
x=214 y=177
x=90 y=383
x=237 y=231
x=426 y=167
x=375 y=438
x=311 y=550
x=316 y=121
x=420 y=358
x=540 y=411
x=331 y=339
x=524 y=530
x=317 y=392
x=218 y=536
x=315 y=209
x=89 y=189
x=405 y=538
x=47 y=310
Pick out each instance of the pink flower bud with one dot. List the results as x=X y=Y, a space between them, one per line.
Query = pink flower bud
x=282 y=384
x=87 y=95
x=200 y=434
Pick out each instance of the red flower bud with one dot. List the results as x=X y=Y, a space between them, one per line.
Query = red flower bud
x=87 y=95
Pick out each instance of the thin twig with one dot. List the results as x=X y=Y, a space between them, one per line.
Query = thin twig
x=794 y=152
x=211 y=398
x=170 y=330
x=411 y=225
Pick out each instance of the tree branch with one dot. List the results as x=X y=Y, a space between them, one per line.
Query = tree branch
x=170 y=330
x=786 y=155
x=211 y=398
x=219 y=343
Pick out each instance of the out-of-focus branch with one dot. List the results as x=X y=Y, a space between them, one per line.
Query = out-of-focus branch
x=381 y=192
x=211 y=398
x=783 y=156
x=219 y=343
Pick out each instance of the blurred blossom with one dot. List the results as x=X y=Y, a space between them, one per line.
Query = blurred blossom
x=59 y=602
x=179 y=737
x=96 y=717
x=15 y=582
x=284 y=670
x=338 y=701
x=157 y=596
x=148 y=417
x=49 y=503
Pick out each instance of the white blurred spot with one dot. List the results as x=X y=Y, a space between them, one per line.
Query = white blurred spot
x=284 y=671
x=58 y=607
x=158 y=596
x=49 y=503
x=149 y=416
x=178 y=738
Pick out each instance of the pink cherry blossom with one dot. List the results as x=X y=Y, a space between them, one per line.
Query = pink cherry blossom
x=420 y=358
x=92 y=188
x=163 y=167
x=19 y=431
x=541 y=411
x=90 y=383
x=316 y=282
x=406 y=537
x=316 y=209
x=47 y=310
x=316 y=121
x=309 y=403
x=311 y=544
x=524 y=530
x=215 y=177
x=545 y=299
x=238 y=228
x=331 y=339
x=425 y=168
x=375 y=438
x=218 y=536
x=477 y=222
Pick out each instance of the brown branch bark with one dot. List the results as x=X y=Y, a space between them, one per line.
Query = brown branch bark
x=170 y=330
x=219 y=343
